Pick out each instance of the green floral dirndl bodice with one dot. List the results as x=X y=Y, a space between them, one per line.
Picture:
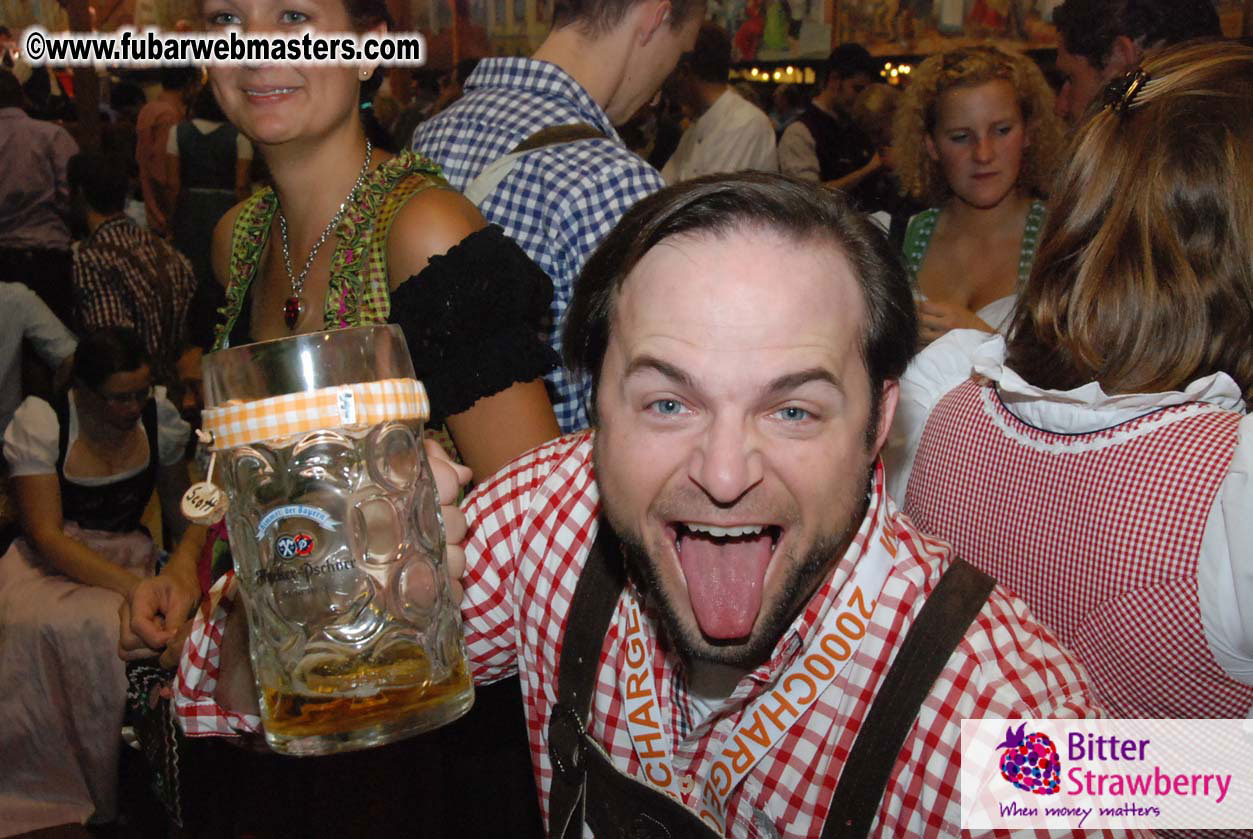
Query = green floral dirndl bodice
x=358 y=294
x=921 y=226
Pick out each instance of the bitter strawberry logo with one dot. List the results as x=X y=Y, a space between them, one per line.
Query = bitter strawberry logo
x=1030 y=761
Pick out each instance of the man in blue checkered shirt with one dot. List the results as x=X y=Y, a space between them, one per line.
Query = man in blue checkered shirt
x=602 y=62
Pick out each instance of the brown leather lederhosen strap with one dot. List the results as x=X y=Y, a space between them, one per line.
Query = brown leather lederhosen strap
x=940 y=626
x=586 y=787
x=488 y=180
x=591 y=609
x=556 y=135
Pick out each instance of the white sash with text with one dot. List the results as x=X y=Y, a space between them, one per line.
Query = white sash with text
x=767 y=718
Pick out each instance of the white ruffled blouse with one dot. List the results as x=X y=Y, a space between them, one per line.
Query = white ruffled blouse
x=30 y=441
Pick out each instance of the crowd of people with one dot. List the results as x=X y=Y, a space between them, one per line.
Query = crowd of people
x=967 y=363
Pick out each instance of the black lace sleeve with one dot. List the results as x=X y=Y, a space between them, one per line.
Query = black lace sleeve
x=472 y=319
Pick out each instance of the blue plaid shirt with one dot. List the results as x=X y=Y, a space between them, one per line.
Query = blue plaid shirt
x=558 y=202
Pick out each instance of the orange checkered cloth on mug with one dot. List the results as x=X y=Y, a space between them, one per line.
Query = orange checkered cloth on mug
x=358 y=405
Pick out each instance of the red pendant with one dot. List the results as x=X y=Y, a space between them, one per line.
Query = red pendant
x=291 y=311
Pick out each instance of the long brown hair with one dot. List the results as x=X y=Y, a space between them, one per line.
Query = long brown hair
x=1144 y=279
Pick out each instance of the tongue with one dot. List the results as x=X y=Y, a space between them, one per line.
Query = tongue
x=724 y=581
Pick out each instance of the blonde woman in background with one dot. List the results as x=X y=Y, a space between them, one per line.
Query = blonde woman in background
x=974 y=137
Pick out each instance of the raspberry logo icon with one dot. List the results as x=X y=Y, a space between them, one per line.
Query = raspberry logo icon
x=1030 y=761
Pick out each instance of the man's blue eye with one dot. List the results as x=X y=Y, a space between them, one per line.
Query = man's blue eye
x=794 y=414
x=668 y=407
x=294 y=17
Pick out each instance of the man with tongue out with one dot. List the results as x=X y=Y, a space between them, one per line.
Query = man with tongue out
x=705 y=595
x=744 y=336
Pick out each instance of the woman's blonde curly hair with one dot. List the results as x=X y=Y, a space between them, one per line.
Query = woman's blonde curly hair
x=915 y=118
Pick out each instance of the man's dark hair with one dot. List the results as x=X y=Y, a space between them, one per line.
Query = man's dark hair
x=465 y=67
x=11 y=93
x=848 y=60
x=1088 y=28
x=805 y=212
x=427 y=81
x=205 y=106
x=101 y=179
x=108 y=350
x=178 y=78
x=710 y=58
x=123 y=95
x=366 y=14
x=596 y=17
x=794 y=96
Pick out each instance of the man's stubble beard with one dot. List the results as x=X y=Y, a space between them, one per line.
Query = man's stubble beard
x=802 y=581
x=799 y=586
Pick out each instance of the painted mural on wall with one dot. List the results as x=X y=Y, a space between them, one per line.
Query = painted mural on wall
x=19 y=14
x=926 y=26
x=165 y=13
x=774 y=30
x=761 y=30
x=782 y=30
x=1232 y=13
x=894 y=27
x=484 y=27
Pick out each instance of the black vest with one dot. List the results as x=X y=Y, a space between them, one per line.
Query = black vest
x=116 y=507
x=842 y=147
x=207 y=161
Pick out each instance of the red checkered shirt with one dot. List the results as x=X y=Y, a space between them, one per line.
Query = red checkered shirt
x=531 y=528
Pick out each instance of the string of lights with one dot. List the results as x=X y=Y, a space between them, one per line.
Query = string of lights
x=894 y=73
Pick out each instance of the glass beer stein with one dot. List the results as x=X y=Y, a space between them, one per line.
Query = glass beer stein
x=337 y=539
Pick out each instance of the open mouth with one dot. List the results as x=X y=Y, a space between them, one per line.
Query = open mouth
x=726 y=533
x=725 y=570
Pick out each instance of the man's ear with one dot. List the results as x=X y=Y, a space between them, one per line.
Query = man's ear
x=654 y=15
x=888 y=398
x=1124 y=56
